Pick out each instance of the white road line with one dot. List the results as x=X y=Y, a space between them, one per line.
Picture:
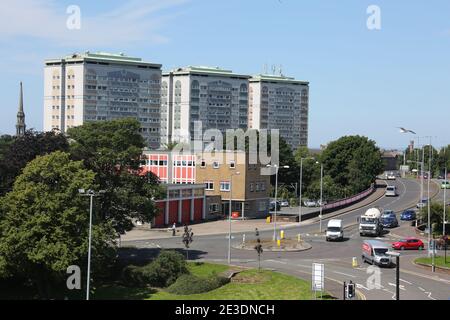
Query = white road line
x=421 y=289
x=405 y=281
x=429 y=295
x=345 y=274
x=360 y=286
x=400 y=286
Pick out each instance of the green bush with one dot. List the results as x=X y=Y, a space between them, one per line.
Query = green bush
x=162 y=272
x=190 y=284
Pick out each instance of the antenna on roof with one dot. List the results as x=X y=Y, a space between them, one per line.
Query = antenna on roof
x=274 y=69
x=281 y=70
x=265 y=68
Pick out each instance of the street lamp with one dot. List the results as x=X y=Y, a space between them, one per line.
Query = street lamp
x=321 y=196
x=91 y=194
x=276 y=194
x=397 y=264
x=229 y=215
x=301 y=184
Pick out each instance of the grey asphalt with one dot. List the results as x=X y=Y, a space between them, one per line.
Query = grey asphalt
x=416 y=283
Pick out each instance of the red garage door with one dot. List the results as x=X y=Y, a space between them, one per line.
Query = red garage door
x=173 y=212
x=186 y=211
x=198 y=209
x=159 y=218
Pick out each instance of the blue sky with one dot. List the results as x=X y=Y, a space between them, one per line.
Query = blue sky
x=362 y=81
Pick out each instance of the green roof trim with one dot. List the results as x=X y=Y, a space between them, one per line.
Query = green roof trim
x=206 y=70
x=276 y=78
x=103 y=56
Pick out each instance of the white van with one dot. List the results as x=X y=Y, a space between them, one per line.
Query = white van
x=335 y=231
x=391 y=191
x=375 y=252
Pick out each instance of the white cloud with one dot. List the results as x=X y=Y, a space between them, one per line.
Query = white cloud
x=135 y=21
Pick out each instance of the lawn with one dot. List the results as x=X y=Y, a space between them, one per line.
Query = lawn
x=247 y=285
x=438 y=261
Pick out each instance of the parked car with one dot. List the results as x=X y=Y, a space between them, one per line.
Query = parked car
x=445 y=185
x=408 y=244
x=391 y=176
x=272 y=205
x=408 y=215
x=284 y=203
x=322 y=203
x=310 y=203
x=422 y=203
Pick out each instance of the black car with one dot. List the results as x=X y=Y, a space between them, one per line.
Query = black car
x=272 y=206
x=389 y=222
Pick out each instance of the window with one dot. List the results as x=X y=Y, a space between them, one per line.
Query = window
x=216 y=164
x=225 y=186
x=251 y=187
x=262 y=206
x=213 y=207
x=209 y=185
x=232 y=164
x=257 y=187
x=263 y=186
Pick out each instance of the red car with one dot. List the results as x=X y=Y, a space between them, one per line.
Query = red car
x=408 y=244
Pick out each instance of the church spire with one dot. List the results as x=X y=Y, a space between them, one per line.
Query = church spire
x=20 y=126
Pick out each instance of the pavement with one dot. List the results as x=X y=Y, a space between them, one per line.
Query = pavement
x=372 y=283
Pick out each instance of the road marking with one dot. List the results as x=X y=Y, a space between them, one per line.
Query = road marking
x=345 y=274
x=276 y=261
x=421 y=289
x=405 y=281
x=429 y=295
x=360 y=286
x=400 y=286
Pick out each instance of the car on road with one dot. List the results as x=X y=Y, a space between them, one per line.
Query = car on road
x=388 y=213
x=445 y=185
x=391 y=191
x=310 y=203
x=422 y=203
x=408 y=244
x=284 y=203
x=389 y=221
x=335 y=230
x=375 y=252
x=408 y=215
x=321 y=203
x=391 y=176
x=272 y=205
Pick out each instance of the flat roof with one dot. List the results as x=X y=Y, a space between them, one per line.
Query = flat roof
x=276 y=79
x=105 y=57
x=205 y=70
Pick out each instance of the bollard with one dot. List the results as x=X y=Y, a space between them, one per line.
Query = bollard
x=282 y=234
x=268 y=219
x=243 y=239
x=299 y=237
x=354 y=262
x=279 y=242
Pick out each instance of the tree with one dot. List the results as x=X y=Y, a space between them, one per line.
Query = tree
x=45 y=224
x=113 y=150
x=353 y=162
x=436 y=216
x=18 y=151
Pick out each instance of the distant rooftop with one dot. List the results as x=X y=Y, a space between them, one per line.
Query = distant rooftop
x=103 y=57
x=205 y=70
x=276 y=78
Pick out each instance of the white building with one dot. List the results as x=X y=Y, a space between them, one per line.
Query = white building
x=102 y=86
x=216 y=97
x=279 y=102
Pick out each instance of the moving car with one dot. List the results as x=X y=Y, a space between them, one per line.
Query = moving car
x=408 y=244
x=388 y=213
x=284 y=203
x=335 y=230
x=408 y=215
x=391 y=176
x=310 y=203
x=375 y=252
x=389 y=221
x=445 y=185
x=391 y=191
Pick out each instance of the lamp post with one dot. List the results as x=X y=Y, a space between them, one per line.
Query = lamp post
x=301 y=185
x=397 y=273
x=276 y=195
x=445 y=192
x=321 y=197
x=91 y=194
x=229 y=214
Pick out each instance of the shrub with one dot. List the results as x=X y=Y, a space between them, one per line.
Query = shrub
x=190 y=284
x=162 y=272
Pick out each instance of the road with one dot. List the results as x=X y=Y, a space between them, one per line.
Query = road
x=416 y=283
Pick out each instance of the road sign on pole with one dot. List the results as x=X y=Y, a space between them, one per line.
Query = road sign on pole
x=318 y=273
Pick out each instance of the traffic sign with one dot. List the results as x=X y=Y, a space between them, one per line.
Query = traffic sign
x=318 y=277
